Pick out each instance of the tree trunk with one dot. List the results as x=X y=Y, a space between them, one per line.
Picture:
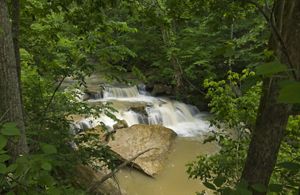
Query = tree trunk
x=10 y=97
x=273 y=116
x=270 y=125
x=15 y=33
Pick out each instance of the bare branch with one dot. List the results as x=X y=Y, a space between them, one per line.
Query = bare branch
x=4 y=114
x=106 y=177
x=54 y=93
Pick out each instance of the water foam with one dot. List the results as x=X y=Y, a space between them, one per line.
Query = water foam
x=184 y=119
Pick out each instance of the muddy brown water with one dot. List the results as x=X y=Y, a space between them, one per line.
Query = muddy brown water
x=173 y=180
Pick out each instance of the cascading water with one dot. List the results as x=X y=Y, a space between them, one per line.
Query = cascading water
x=185 y=120
x=119 y=92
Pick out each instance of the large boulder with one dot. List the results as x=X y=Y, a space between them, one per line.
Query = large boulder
x=128 y=142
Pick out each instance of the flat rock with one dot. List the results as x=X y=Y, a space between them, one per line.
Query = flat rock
x=128 y=142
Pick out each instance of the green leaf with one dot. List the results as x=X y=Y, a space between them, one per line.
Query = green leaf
x=289 y=92
x=3 y=141
x=3 y=151
x=275 y=187
x=242 y=188
x=270 y=68
x=48 y=149
x=229 y=52
x=10 y=193
x=47 y=166
x=290 y=166
x=11 y=168
x=4 y=157
x=10 y=129
x=227 y=191
x=2 y=168
x=259 y=187
x=243 y=191
x=46 y=179
x=54 y=191
x=209 y=185
x=219 y=181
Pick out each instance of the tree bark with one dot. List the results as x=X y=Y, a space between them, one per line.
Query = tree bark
x=10 y=97
x=273 y=116
x=15 y=33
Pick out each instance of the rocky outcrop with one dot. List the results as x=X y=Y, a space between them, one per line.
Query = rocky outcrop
x=161 y=90
x=142 y=113
x=88 y=94
x=141 y=109
x=130 y=141
x=120 y=124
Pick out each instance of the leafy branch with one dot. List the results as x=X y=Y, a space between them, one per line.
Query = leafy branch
x=271 y=22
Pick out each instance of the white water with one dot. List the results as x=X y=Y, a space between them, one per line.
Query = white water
x=185 y=120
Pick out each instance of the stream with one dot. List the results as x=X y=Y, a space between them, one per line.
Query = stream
x=136 y=106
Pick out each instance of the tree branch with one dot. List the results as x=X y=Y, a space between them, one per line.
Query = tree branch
x=106 y=177
x=4 y=114
x=271 y=22
x=52 y=97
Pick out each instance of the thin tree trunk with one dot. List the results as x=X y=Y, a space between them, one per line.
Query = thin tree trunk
x=273 y=116
x=10 y=97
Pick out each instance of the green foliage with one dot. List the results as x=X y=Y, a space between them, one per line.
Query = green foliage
x=49 y=133
x=61 y=39
x=28 y=174
x=234 y=107
x=286 y=176
x=187 y=42
x=232 y=101
x=228 y=108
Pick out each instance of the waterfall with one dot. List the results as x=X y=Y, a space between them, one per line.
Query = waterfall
x=119 y=92
x=186 y=120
